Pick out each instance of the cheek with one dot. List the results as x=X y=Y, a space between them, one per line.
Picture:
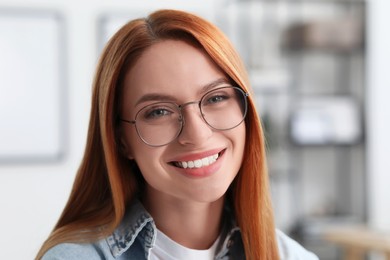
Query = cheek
x=147 y=158
x=239 y=145
x=243 y=134
x=241 y=137
x=151 y=166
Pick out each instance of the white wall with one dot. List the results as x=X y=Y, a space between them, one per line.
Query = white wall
x=32 y=195
x=378 y=115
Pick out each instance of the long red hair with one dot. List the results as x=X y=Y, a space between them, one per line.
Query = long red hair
x=106 y=181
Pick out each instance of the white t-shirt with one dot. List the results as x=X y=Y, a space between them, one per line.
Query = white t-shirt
x=167 y=249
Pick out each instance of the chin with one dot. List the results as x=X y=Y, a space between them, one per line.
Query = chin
x=208 y=197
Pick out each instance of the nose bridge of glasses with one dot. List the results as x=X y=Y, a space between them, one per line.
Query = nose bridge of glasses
x=182 y=106
x=188 y=103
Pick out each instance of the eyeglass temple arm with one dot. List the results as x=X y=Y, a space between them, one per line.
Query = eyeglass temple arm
x=127 y=121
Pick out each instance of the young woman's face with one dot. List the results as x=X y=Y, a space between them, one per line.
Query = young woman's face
x=176 y=71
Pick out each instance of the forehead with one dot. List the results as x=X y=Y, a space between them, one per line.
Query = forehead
x=171 y=67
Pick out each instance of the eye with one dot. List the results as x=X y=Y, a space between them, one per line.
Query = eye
x=215 y=99
x=158 y=112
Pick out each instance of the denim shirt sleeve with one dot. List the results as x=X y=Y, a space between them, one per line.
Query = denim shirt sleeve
x=70 y=251
x=132 y=239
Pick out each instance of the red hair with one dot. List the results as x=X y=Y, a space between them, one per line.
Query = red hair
x=103 y=185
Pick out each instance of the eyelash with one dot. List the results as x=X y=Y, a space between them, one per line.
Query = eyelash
x=154 y=113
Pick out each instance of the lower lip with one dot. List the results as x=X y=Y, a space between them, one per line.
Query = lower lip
x=203 y=171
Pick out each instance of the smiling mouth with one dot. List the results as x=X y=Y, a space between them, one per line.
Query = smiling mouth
x=196 y=164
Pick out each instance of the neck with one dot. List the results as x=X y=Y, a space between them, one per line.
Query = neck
x=192 y=224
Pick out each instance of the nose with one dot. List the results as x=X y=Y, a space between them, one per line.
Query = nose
x=195 y=129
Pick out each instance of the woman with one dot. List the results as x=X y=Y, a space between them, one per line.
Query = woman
x=174 y=166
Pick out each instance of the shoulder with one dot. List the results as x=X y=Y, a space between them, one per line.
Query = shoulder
x=70 y=251
x=134 y=229
x=291 y=250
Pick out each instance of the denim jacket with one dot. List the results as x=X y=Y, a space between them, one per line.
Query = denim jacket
x=136 y=235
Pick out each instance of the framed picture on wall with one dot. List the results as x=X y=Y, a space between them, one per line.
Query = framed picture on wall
x=326 y=120
x=32 y=86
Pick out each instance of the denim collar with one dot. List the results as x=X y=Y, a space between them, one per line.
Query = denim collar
x=137 y=223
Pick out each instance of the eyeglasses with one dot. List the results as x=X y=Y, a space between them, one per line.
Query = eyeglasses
x=160 y=123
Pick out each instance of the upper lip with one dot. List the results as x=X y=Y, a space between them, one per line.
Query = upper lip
x=196 y=156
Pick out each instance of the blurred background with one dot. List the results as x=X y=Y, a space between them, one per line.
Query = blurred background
x=319 y=70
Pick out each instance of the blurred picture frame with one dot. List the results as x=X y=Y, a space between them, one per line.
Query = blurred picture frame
x=326 y=120
x=32 y=86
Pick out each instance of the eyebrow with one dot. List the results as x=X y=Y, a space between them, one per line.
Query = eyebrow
x=160 y=97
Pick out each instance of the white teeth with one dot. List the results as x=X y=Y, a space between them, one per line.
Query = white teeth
x=205 y=161
x=198 y=163
x=190 y=164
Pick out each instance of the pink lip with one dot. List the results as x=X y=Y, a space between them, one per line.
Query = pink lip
x=203 y=171
x=196 y=156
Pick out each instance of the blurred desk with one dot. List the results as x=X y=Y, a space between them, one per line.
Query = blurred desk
x=357 y=241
